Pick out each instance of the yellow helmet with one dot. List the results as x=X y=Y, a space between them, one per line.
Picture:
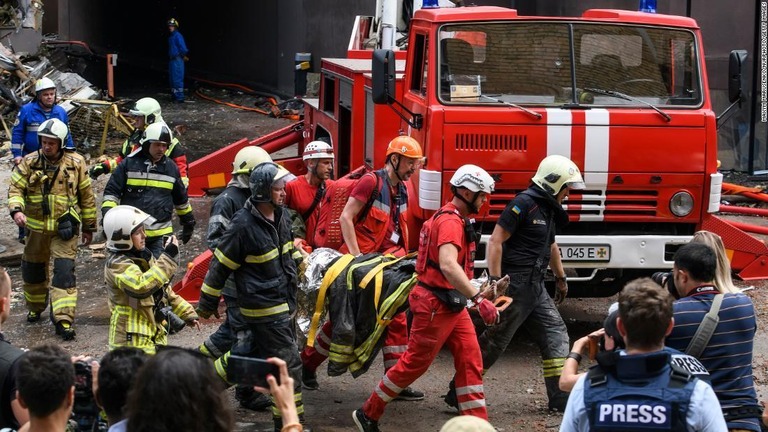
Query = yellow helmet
x=173 y=22
x=247 y=159
x=557 y=172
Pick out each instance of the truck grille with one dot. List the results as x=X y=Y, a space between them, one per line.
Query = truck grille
x=612 y=203
x=491 y=142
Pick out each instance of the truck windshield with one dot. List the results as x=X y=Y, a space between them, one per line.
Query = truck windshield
x=542 y=63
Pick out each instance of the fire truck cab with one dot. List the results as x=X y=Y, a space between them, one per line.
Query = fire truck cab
x=623 y=94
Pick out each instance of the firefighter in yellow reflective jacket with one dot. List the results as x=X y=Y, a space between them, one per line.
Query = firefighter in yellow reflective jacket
x=150 y=181
x=51 y=196
x=144 y=307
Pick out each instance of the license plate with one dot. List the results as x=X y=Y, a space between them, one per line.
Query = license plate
x=585 y=252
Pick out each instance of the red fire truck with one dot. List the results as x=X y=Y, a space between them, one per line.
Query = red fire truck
x=623 y=94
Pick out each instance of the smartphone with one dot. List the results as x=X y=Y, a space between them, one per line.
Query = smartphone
x=251 y=371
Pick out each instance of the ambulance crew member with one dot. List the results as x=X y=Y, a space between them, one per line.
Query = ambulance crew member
x=638 y=389
x=521 y=246
x=51 y=196
x=258 y=249
x=444 y=265
x=144 y=307
x=383 y=230
x=305 y=194
x=225 y=205
x=145 y=112
x=149 y=181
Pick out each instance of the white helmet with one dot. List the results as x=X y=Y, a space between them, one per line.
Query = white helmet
x=119 y=223
x=44 y=83
x=148 y=108
x=53 y=128
x=473 y=178
x=156 y=132
x=247 y=159
x=318 y=150
x=557 y=172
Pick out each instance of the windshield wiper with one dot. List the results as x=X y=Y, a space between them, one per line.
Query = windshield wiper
x=620 y=95
x=523 y=109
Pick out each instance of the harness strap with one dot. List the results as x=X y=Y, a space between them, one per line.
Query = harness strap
x=328 y=279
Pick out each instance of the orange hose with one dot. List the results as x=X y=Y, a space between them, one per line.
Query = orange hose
x=738 y=189
x=230 y=104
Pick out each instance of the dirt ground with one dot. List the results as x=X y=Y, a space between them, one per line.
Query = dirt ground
x=514 y=387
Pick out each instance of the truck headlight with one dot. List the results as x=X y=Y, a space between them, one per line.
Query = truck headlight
x=681 y=204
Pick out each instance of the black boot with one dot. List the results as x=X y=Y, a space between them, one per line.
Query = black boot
x=557 y=398
x=251 y=399
x=450 y=397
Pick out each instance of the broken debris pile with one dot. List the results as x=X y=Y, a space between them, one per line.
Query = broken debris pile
x=93 y=122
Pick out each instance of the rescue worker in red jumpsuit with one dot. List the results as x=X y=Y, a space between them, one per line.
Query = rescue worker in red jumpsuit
x=383 y=230
x=305 y=194
x=445 y=265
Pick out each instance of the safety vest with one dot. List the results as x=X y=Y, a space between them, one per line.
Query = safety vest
x=638 y=392
x=372 y=231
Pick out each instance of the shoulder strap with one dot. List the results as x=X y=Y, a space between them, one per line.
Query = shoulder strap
x=318 y=197
x=374 y=195
x=706 y=329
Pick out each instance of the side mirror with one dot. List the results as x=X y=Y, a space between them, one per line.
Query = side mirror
x=383 y=70
x=735 y=77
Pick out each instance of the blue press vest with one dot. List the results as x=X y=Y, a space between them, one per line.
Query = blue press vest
x=643 y=392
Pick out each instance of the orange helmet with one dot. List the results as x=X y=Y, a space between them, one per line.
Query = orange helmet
x=405 y=146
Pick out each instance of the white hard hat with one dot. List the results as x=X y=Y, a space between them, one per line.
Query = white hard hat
x=556 y=172
x=473 y=178
x=318 y=150
x=44 y=84
x=247 y=159
x=119 y=223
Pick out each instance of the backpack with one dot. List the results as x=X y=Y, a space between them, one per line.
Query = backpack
x=328 y=233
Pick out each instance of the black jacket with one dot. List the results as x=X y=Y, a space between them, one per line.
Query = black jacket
x=262 y=256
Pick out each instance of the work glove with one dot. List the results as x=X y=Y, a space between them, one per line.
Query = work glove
x=171 y=247
x=66 y=230
x=186 y=233
x=205 y=314
x=98 y=169
x=487 y=311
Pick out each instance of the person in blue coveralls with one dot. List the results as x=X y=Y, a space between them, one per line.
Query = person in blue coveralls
x=177 y=54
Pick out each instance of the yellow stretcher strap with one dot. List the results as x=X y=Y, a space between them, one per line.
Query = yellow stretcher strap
x=378 y=273
x=328 y=279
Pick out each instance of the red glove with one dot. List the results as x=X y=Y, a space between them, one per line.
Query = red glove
x=487 y=311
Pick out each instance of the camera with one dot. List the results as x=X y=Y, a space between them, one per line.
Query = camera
x=666 y=280
x=170 y=320
x=85 y=412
